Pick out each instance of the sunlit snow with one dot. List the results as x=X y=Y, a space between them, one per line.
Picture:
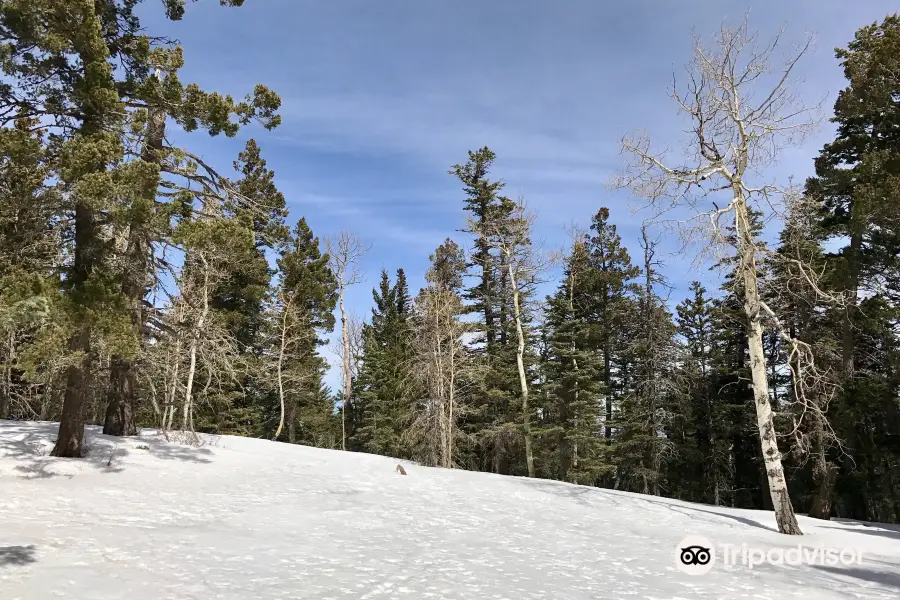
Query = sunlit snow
x=252 y=519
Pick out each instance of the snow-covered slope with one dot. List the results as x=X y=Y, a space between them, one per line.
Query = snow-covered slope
x=252 y=519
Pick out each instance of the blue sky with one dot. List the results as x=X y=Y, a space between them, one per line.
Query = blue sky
x=381 y=98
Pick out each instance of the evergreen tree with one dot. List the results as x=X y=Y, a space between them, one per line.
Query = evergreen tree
x=611 y=283
x=856 y=183
x=386 y=384
x=573 y=373
x=30 y=248
x=642 y=446
x=497 y=431
x=61 y=64
x=239 y=298
x=702 y=471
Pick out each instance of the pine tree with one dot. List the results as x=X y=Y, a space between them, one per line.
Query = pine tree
x=610 y=281
x=574 y=373
x=62 y=66
x=499 y=434
x=482 y=203
x=386 y=383
x=703 y=451
x=647 y=405
x=260 y=208
x=29 y=251
x=238 y=299
x=856 y=183
x=70 y=47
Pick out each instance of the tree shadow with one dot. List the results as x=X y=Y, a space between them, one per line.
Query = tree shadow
x=172 y=451
x=694 y=508
x=888 y=577
x=16 y=556
x=28 y=444
x=880 y=530
x=582 y=493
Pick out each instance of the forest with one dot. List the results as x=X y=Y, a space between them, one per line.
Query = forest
x=141 y=287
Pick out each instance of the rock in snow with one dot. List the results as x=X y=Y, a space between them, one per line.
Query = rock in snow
x=147 y=519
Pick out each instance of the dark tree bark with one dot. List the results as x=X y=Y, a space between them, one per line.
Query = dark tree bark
x=71 y=426
x=95 y=95
x=123 y=384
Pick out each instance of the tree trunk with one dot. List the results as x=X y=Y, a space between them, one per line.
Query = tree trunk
x=444 y=413
x=93 y=102
x=290 y=416
x=607 y=380
x=281 y=348
x=774 y=471
x=568 y=453
x=824 y=472
x=70 y=439
x=451 y=395
x=169 y=410
x=187 y=409
x=6 y=388
x=123 y=388
x=520 y=363
x=121 y=399
x=348 y=376
x=187 y=418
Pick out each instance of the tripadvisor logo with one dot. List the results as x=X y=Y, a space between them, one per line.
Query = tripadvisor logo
x=696 y=555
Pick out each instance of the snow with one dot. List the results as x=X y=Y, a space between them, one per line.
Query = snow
x=250 y=519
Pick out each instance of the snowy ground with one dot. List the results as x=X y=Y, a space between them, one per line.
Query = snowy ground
x=251 y=519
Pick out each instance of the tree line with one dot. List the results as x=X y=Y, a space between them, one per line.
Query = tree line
x=141 y=286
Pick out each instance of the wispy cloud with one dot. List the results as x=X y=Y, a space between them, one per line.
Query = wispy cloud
x=380 y=100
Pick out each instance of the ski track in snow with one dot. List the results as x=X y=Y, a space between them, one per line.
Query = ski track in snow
x=250 y=519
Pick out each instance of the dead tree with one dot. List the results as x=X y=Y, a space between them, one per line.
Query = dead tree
x=345 y=251
x=743 y=111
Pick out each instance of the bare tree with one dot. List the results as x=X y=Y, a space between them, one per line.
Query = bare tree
x=743 y=112
x=522 y=263
x=442 y=361
x=211 y=349
x=345 y=251
x=292 y=334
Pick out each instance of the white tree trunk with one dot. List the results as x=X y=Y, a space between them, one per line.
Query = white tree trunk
x=451 y=392
x=188 y=416
x=781 y=501
x=520 y=363
x=348 y=376
x=279 y=368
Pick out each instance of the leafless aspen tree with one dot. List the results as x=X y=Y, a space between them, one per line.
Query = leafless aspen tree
x=345 y=251
x=522 y=263
x=442 y=360
x=208 y=343
x=743 y=111
x=292 y=331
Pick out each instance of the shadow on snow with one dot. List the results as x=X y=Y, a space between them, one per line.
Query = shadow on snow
x=16 y=556
x=29 y=444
